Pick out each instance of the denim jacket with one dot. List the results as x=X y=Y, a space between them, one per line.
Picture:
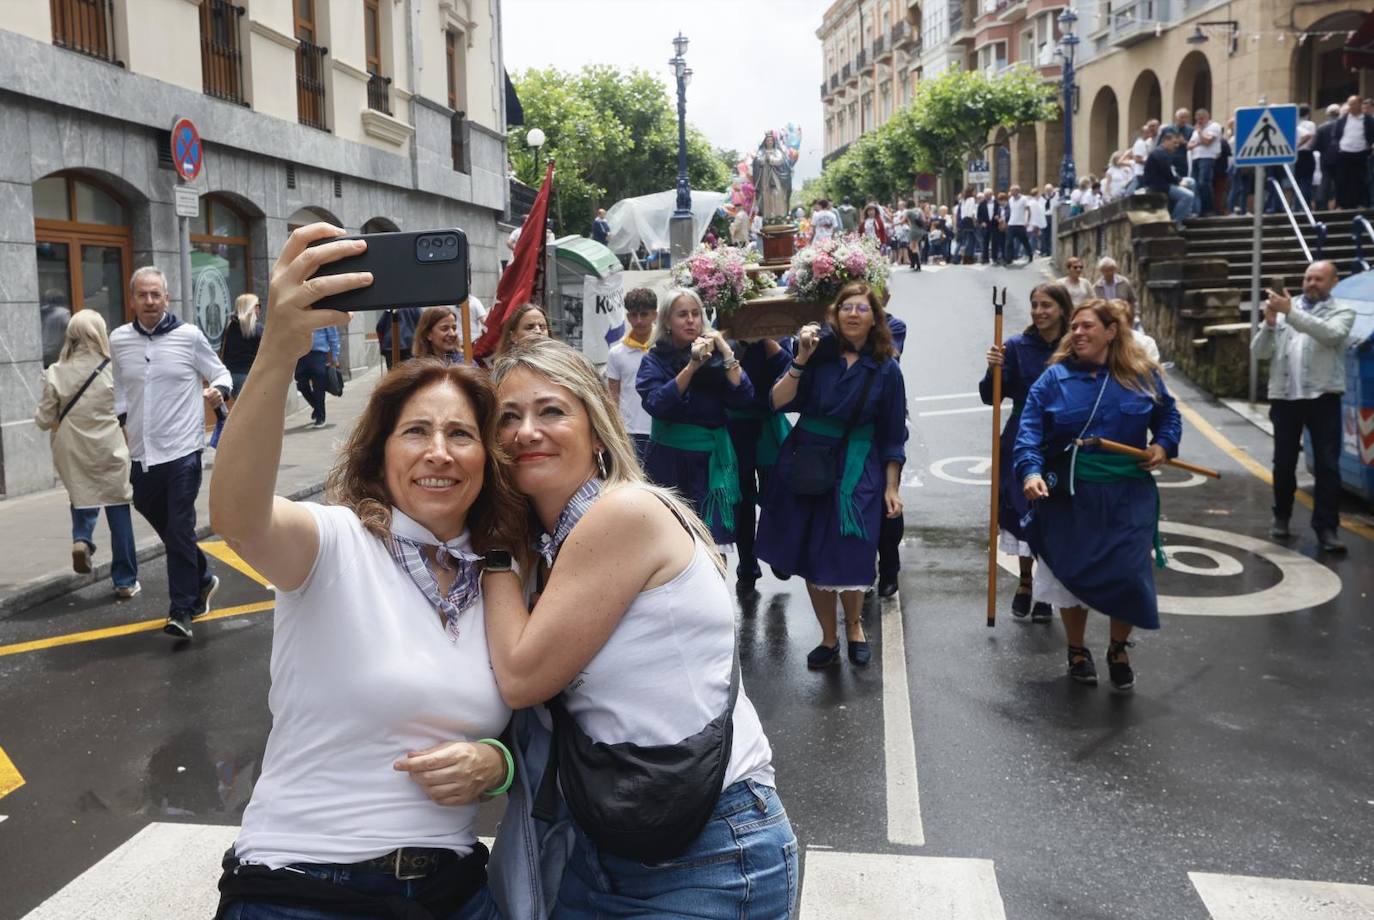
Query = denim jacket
x=1325 y=328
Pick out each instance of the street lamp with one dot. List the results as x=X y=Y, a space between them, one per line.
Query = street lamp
x=681 y=234
x=1068 y=43
x=534 y=140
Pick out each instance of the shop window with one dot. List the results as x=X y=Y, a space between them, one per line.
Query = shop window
x=219 y=265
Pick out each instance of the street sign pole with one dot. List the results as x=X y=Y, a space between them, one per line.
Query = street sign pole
x=1256 y=254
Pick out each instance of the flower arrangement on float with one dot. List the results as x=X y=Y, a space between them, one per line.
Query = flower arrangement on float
x=819 y=271
x=721 y=278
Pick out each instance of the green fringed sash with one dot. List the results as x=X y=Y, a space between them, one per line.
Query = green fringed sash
x=722 y=471
x=855 y=456
x=772 y=433
x=1105 y=467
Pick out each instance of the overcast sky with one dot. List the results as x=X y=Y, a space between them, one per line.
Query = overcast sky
x=756 y=63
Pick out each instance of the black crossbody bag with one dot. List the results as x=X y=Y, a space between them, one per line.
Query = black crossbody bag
x=1059 y=468
x=645 y=803
x=82 y=392
x=816 y=467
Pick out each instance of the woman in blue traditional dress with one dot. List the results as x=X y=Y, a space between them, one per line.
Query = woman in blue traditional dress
x=687 y=381
x=1095 y=515
x=844 y=376
x=757 y=433
x=1022 y=359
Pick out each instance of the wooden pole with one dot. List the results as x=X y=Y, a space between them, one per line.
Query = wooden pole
x=464 y=313
x=1117 y=447
x=395 y=339
x=997 y=306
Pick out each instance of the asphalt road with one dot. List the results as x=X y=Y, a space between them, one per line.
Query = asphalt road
x=960 y=776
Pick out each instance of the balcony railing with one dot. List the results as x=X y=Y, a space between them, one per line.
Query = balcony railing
x=1134 y=21
x=379 y=93
x=221 y=58
x=901 y=34
x=458 y=130
x=521 y=201
x=86 y=27
x=956 y=16
x=861 y=61
x=879 y=46
x=846 y=72
x=834 y=81
x=310 y=107
x=825 y=89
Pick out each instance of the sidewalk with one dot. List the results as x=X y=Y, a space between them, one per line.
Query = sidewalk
x=36 y=562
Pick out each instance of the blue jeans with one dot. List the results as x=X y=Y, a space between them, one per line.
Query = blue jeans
x=1180 y=203
x=1239 y=188
x=1203 y=173
x=478 y=907
x=743 y=864
x=123 y=553
x=1045 y=236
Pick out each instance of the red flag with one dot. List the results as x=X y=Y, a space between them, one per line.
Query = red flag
x=524 y=272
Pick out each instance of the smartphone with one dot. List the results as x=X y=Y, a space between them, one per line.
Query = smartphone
x=417 y=268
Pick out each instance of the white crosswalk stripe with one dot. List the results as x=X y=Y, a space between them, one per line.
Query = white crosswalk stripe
x=1240 y=897
x=862 y=886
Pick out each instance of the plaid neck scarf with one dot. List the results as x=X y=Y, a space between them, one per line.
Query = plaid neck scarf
x=407 y=546
x=547 y=545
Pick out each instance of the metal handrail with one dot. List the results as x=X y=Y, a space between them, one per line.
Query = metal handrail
x=1318 y=226
x=1292 y=221
x=1356 y=225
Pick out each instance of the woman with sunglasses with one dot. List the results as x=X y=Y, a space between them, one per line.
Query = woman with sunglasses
x=846 y=383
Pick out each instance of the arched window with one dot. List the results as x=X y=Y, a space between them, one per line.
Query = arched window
x=83 y=248
x=219 y=264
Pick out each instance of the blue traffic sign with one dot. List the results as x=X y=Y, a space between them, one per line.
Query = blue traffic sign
x=1266 y=135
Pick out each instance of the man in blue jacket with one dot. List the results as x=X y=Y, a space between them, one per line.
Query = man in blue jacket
x=1160 y=176
x=312 y=370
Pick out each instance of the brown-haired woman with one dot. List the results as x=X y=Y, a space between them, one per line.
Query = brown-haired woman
x=379 y=654
x=848 y=387
x=436 y=335
x=525 y=321
x=1096 y=514
x=1022 y=359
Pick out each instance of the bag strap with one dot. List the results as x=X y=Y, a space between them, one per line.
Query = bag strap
x=81 y=392
x=859 y=406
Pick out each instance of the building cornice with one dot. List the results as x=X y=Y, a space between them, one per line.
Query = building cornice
x=286 y=41
x=384 y=127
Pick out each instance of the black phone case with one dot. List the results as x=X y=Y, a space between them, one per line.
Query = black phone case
x=399 y=278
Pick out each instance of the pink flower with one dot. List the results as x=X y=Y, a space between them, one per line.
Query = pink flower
x=856 y=264
x=822 y=266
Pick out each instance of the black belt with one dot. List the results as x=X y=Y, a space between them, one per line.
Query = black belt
x=408 y=862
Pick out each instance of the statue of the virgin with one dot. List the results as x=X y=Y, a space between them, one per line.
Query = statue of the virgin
x=773 y=180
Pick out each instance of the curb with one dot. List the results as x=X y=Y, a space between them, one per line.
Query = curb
x=47 y=587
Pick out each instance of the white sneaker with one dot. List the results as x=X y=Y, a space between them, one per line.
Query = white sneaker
x=124 y=593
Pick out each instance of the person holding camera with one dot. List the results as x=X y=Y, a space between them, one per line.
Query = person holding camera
x=1304 y=339
x=632 y=643
x=384 y=705
x=838 y=473
x=687 y=382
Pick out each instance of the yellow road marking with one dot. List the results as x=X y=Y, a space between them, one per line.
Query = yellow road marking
x=1259 y=470
x=110 y=632
x=10 y=779
x=221 y=551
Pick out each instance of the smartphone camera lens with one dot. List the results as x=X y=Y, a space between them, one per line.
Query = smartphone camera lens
x=450 y=242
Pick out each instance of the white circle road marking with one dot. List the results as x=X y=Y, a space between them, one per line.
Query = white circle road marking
x=1304 y=584
x=977 y=466
x=1222 y=564
x=1194 y=479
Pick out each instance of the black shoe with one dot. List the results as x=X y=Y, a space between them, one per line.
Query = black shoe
x=178 y=624
x=823 y=656
x=860 y=654
x=1328 y=541
x=887 y=586
x=207 y=591
x=1081 y=667
x=1119 y=667
x=1278 y=529
x=1042 y=613
x=1021 y=605
x=744 y=587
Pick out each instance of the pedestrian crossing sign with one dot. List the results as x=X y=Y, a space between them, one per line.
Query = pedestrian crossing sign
x=1268 y=135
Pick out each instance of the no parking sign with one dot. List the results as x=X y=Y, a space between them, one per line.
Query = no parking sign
x=187 y=154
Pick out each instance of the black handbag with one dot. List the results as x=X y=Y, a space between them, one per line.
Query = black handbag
x=333 y=381
x=816 y=467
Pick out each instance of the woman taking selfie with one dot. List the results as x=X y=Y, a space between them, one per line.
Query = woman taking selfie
x=838 y=473
x=1095 y=517
x=383 y=702
x=687 y=381
x=632 y=642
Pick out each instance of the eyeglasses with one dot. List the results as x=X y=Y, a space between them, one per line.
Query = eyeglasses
x=860 y=308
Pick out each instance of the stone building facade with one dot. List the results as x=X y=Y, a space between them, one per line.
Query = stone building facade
x=371 y=114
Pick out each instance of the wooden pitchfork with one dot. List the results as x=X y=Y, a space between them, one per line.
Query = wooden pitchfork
x=997 y=307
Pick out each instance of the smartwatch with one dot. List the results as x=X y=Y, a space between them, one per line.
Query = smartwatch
x=498 y=560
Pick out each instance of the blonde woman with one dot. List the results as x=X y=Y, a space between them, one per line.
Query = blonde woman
x=632 y=642
x=1095 y=514
x=92 y=460
x=241 y=339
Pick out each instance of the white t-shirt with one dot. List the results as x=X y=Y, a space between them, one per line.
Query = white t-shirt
x=823 y=225
x=1018 y=210
x=1209 y=142
x=1352 y=139
x=1037 y=212
x=1307 y=132
x=623 y=365
x=1140 y=150
x=665 y=672
x=362 y=673
x=1080 y=291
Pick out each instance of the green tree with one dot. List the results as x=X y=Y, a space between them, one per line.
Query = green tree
x=614 y=135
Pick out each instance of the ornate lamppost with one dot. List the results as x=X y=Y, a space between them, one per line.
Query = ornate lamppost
x=1068 y=43
x=681 y=235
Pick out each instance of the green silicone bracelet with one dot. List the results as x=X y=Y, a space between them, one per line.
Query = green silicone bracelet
x=510 y=768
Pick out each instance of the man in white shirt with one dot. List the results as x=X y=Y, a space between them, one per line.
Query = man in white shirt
x=160 y=365
x=1205 y=147
x=622 y=366
x=1018 y=216
x=1354 y=132
x=1140 y=150
x=1305 y=170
